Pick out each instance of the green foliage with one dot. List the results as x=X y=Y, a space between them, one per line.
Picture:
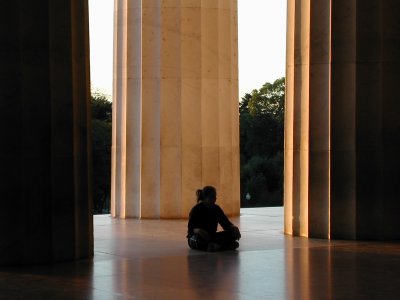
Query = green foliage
x=101 y=107
x=261 y=142
x=269 y=100
x=101 y=141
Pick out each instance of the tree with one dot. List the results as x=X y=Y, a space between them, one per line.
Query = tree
x=261 y=142
x=269 y=100
x=101 y=141
x=101 y=107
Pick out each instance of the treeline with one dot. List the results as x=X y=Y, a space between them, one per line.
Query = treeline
x=101 y=141
x=261 y=145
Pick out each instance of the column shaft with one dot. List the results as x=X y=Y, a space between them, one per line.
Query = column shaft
x=342 y=133
x=188 y=111
x=45 y=157
x=319 y=115
x=343 y=120
x=289 y=118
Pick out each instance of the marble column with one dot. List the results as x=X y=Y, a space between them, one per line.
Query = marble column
x=342 y=125
x=175 y=122
x=46 y=213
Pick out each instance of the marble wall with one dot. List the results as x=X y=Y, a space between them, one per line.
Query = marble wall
x=175 y=106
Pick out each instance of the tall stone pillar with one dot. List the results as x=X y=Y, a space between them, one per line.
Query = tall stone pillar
x=45 y=151
x=342 y=126
x=175 y=122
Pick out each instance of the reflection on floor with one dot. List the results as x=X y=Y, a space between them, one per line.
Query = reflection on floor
x=149 y=259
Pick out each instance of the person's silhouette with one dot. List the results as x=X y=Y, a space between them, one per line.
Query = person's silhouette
x=203 y=223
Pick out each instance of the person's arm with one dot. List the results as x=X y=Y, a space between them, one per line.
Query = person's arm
x=223 y=219
x=228 y=225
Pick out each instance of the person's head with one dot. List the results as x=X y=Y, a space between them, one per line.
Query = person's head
x=207 y=194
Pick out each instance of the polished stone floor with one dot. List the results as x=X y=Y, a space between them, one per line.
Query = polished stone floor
x=149 y=259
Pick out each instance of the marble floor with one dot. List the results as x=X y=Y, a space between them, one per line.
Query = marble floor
x=149 y=259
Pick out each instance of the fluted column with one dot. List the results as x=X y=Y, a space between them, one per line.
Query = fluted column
x=46 y=213
x=175 y=106
x=342 y=132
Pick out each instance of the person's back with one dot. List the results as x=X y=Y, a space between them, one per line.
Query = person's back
x=207 y=217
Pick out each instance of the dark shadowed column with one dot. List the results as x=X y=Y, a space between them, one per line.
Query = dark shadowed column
x=318 y=207
x=365 y=123
x=377 y=120
x=343 y=112
x=390 y=118
x=351 y=167
x=45 y=150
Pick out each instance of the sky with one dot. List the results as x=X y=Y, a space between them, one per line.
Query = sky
x=262 y=43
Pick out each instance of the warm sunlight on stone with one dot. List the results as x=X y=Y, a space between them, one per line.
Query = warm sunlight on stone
x=175 y=107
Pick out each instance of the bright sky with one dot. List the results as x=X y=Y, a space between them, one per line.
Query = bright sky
x=262 y=42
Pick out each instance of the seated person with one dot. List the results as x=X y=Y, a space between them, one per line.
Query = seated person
x=203 y=223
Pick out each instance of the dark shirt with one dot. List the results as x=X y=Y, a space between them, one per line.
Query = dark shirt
x=207 y=217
